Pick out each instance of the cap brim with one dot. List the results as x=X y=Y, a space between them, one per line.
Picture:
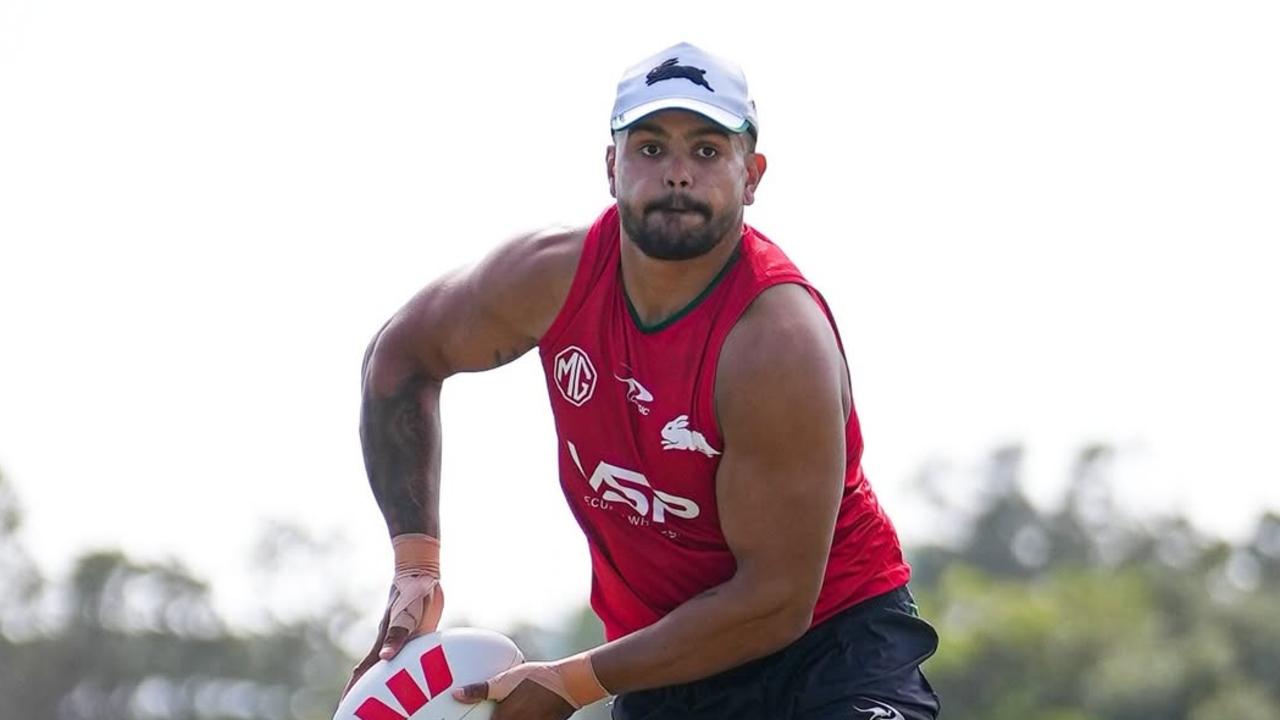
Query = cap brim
x=727 y=120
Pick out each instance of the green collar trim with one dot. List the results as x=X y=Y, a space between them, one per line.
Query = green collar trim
x=663 y=324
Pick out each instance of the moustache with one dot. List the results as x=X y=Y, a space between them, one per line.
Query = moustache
x=679 y=203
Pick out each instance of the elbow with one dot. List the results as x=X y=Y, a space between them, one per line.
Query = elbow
x=390 y=362
x=383 y=367
x=367 y=363
x=784 y=615
x=791 y=621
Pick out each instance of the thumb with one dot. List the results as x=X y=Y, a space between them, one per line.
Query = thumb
x=396 y=637
x=473 y=693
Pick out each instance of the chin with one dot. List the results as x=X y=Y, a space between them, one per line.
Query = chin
x=665 y=237
x=662 y=248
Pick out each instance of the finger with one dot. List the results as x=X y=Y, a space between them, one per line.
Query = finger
x=396 y=638
x=358 y=671
x=530 y=700
x=370 y=658
x=472 y=693
x=435 y=607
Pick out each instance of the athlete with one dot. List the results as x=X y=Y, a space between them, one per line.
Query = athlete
x=708 y=443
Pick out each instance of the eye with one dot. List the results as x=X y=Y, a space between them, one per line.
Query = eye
x=650 y=150
x=706 y=152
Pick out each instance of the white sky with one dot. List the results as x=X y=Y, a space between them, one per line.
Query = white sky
x=1048 y=222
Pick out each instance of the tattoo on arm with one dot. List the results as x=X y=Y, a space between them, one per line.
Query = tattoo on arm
x=400 y=435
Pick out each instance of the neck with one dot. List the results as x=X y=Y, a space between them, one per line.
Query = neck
x=658 y=289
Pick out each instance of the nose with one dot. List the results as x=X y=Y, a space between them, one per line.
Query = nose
x=676 y=174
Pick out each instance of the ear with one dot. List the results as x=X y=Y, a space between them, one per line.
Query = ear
x=611 y=154
x=756 y=165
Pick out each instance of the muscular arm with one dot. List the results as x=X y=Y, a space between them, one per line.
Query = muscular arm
x=781 y=397
x=469 y=320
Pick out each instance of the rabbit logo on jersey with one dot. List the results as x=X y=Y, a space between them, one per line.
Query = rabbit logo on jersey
x=676 y=435
x=631 y=488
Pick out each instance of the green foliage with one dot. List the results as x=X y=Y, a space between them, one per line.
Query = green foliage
x=1108 y=618
x=124 y=640
x=1075 y=613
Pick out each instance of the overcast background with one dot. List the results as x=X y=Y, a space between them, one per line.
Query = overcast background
x=1048 y=223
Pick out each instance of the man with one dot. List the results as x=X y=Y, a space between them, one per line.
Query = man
x=708 y=443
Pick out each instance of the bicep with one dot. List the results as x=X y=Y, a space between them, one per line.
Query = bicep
x=468 y=320
x=779 y=401
x=479 y=317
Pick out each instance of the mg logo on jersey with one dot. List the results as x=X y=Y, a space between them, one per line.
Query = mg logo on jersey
x=633 y=489
x=575 y=375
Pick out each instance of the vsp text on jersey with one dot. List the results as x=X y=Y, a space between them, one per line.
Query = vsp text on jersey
x=639 y=444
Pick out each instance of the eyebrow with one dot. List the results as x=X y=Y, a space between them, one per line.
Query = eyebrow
x=650 y=128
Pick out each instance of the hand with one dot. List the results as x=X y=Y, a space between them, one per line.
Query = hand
x=539 y=690
x=413 y=609
x=523 y=699
x=414 y=605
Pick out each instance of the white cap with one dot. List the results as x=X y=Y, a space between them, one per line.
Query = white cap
x=686 y=78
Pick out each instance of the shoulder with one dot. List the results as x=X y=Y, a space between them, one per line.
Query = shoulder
x=545 y=256
x=780 y=356
x=549 y=258
x=783 y=327
x=555 y=249
x=527 y=278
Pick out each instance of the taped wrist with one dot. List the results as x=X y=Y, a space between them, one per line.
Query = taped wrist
x=573 y=679
x=417 y=599
x=416 y=552
x=581 y=683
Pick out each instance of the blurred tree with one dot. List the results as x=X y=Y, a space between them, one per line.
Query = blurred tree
x=1075 y=613
x=1082 y=613
x=128 y=640
x=21 y=580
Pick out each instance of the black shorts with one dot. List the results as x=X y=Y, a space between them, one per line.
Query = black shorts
x=861 y=664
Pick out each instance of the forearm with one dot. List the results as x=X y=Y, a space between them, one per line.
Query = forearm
x=722 y=628
x=400 y=435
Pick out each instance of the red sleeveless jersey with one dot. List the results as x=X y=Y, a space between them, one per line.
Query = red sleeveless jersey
x=639 y=445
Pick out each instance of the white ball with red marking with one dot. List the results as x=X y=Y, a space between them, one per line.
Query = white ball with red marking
x=417 y=684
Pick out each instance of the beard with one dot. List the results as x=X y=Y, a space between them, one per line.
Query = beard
x=662 y=231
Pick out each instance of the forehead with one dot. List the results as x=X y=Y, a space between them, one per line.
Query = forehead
x=677 y=123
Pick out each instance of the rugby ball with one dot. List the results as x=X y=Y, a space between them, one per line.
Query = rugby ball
x=417 y=684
